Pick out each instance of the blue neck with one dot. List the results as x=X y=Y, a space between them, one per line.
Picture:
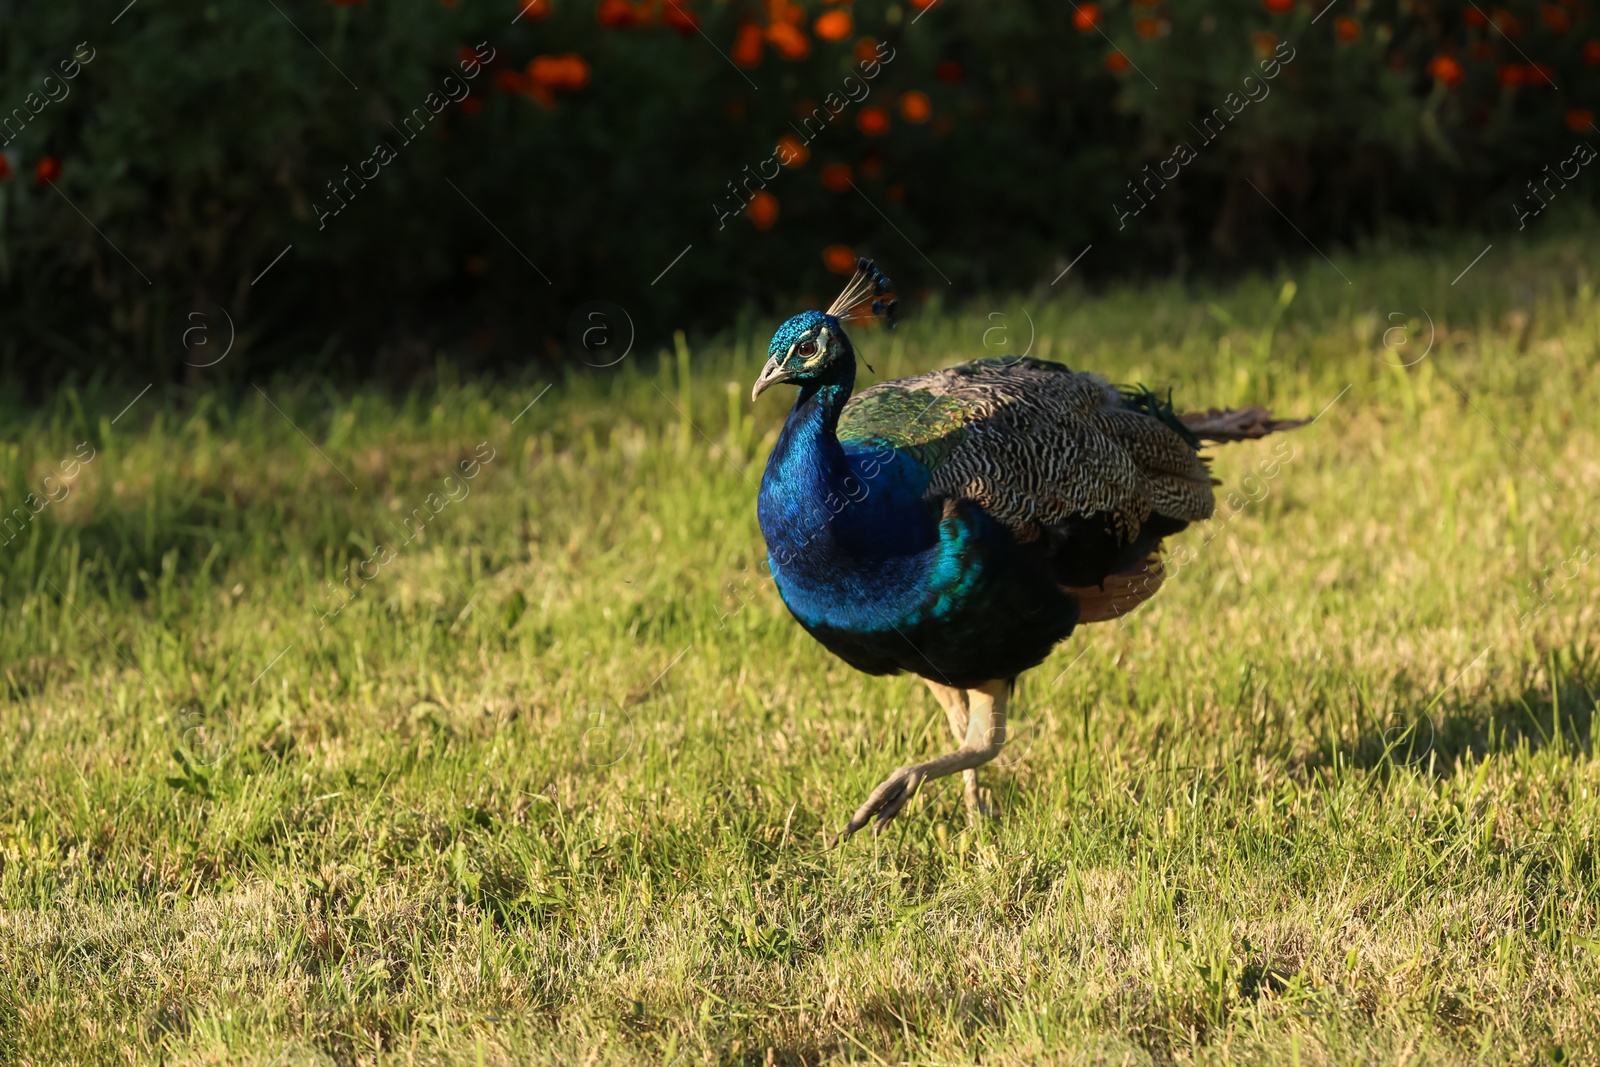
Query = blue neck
x=807 y=467
x=825 y=508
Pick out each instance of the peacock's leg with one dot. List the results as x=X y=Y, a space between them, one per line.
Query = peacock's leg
x=986 y=733
x=954 y=702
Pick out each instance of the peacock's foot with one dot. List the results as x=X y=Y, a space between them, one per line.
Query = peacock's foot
x=978 y=800
x=885 y=802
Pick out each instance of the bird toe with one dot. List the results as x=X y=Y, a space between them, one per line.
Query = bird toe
x=885 y=802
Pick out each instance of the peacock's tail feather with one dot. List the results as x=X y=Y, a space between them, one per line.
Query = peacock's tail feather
x=1236 y=424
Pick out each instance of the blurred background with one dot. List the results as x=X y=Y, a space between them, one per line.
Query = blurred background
x=354 y=187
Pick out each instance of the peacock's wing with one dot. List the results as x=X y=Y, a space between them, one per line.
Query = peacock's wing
x=1042 y=448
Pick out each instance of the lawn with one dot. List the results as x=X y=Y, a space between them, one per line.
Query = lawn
x=353 y=727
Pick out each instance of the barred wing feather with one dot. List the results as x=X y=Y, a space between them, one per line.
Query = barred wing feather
x=1038 y=445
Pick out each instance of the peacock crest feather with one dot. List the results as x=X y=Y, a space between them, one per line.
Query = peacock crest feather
x=867 y=297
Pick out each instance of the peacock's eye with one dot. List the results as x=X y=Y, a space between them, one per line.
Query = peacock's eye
x=807 y=348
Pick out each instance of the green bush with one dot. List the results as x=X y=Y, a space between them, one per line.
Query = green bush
x=197 y=143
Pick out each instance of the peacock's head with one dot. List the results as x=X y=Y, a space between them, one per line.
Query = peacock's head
x=806 y=348
x=812 y=345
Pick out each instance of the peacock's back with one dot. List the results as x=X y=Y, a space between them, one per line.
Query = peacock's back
x=1047 y=451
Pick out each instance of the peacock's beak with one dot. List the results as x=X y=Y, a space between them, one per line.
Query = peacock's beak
x=771 y=374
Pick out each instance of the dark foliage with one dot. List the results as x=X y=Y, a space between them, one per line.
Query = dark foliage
x=987 y=145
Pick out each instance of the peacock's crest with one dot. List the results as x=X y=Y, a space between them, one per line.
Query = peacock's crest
x=867 y=297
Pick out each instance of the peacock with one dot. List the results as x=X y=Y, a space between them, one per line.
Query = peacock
x=959 y=524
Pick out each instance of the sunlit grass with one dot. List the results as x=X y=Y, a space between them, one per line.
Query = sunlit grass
x=553 y=786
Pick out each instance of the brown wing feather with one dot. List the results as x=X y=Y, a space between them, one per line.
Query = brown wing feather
x=1120 y=593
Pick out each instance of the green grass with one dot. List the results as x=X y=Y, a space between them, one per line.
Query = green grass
x=554 y=787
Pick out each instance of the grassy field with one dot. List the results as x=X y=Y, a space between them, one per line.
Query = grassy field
x=321 y=751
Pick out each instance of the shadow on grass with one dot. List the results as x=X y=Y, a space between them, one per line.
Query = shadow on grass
x=131 y=543
x=1460 y=734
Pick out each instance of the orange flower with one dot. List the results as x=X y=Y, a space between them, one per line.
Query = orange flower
x=873 y=121
x=1507 y=23
x=1264 y=43
x=48 y=170
x=1147 y=28
x=1086 y=17
x=763 y=210
x=1475 y=17
x=833 y=25
x=472 y=105
x=1538 y=74
x=790 y=42
x=1555 y=18
x=747 y=45
x=785 y=11
x=620 y=13
x=796 y=150
x=914 y=106
x=1446 y=69
x=1580 y=120
x=529 y=9
x=1278 y=7
x=836 y=177
x=866 y=50
x=950 y=71
x=569 y=72
x=1346 y=29
x=5 y=167
x=680 y=18
x=1591 y=53
x=1117 y=63
x=1510 y=75
x=839 y=259
x=510 y=81
x=920 y=4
